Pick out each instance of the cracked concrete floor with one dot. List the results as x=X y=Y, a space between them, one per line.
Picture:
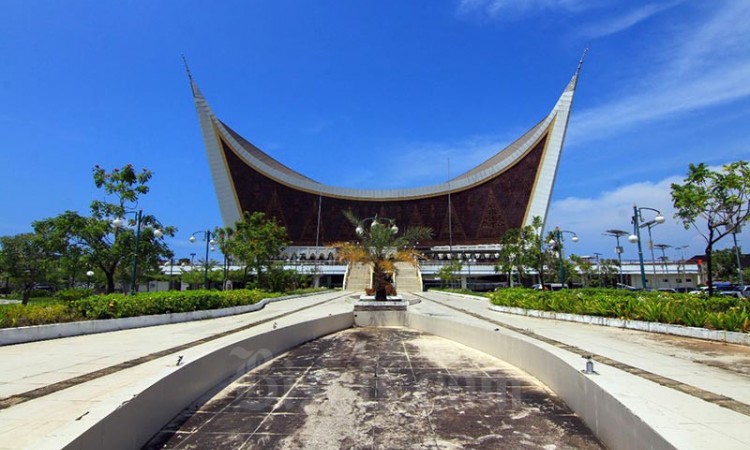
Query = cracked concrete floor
x=380 y=388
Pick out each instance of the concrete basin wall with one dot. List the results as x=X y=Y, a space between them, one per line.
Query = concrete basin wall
x=133 y=423
x=614 y=423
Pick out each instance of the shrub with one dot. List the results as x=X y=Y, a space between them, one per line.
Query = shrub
x=21 y=316
x=73 y=294
x=722 y=313
x=118 y=305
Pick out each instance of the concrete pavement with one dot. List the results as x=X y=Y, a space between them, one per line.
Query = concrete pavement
x=52 y=391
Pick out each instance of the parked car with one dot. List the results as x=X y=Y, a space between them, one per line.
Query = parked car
x=739 y=292
x=547 y=287
x=44 y=287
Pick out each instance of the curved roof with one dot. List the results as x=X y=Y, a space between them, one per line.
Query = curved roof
x=553 y=126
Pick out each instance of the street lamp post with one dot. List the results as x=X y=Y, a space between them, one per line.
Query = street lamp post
x=681 y=249
x=209 y=242
x=665 y=260
x=618 y=249
x=89 y=274
x=635 y=238
x=737 y=255
x=118 y=222
x=558 y=242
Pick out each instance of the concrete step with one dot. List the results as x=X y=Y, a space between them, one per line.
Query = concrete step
x=358 y=278
x=408 y=278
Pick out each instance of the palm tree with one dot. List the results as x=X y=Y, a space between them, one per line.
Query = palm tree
x=381 y=247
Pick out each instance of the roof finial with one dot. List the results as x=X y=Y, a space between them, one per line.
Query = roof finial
x=190 y=76
x=580 y=63
x=574 y=81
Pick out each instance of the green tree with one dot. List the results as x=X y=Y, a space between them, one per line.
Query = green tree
x=520 y=248
x=25 y=260
x=534 y=251
x=103 y=245
x=381 y=247
x=225 y=240
x=720 y=198
x=725 y=264
x=256 y=240
x=512 y=251
x=448 y=273
x=609 y=271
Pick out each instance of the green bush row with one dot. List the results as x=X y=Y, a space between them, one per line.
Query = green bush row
x=114 y=306
x=720 y=313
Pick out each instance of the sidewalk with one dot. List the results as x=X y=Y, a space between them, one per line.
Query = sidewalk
x=111 y=368
x=49 y=421
x=696 y=391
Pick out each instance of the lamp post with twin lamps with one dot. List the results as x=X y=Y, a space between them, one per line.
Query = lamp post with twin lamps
x=635 y=238
x=118 y=223
x=665 y=260
x=209 y=242
x=618 y=249
x=557 y=241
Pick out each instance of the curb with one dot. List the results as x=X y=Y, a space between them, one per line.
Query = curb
x=731 y=337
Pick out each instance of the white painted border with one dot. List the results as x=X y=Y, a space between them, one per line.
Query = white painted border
x=730 y=337
x=20 y=335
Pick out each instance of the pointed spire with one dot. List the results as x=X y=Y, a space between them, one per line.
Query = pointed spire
x=574 y=81
x=190 y=76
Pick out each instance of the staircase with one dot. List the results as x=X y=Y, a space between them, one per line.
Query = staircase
x=408 y=278
x=358 y=278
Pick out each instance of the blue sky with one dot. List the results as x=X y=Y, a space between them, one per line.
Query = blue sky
x=371 y=94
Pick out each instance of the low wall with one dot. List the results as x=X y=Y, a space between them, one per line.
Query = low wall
x=133 y=423
x=730 y=337
x=611 y=421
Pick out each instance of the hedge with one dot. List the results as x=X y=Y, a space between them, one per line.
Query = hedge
x=114 y=306
x=720 y=313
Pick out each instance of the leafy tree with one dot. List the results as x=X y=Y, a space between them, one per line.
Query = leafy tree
x=725 y=264
x=283 y=280
x=25 y=260
x=225 y=240
x=535 y=255
x=512 y=251
x=521 y=248
x=256 y=240
x=99 y=242
x=609 y=271
x=381 y=247
x=720 y=198
x=448 y=273
x=585 y=270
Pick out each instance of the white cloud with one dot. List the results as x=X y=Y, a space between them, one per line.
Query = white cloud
x=621 y=23
x=701 y=66
x=662 y=101
x=590 y=217
x=497 y=8
x=427 y=163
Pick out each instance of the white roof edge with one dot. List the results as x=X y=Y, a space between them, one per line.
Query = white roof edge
x=539 y=202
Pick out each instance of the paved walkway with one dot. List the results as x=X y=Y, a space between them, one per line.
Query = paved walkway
x=696 y=392
x=47 y=421
x=88 y=372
